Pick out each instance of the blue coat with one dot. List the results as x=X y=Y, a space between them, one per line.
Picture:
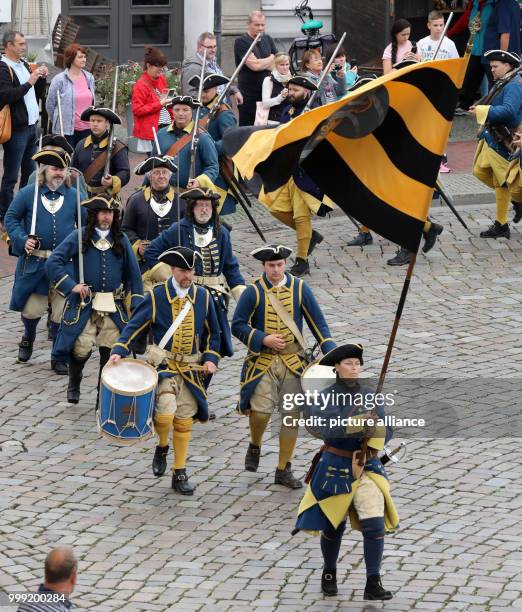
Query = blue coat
x=505 y=109
x=30 y=275
x=206 y=154
x=248 y=325
x=155 y=310
x=227 y=265
x=104 y=271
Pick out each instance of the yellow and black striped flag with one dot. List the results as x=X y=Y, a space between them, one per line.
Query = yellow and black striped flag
x=376 y=152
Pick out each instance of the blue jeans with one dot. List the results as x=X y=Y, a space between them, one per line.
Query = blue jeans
x=18 y=153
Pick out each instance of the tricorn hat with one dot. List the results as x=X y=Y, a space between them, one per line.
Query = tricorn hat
x=179 y=257
x=155 y=161
x=403 y=63
x=107 y=113
x=186 y=100
x=498 y=55
x=209 y=81
x=100 y=202
x=58 y=159
x=55 y=140
x=198 y=193
x=362 y=81
x=302 y=81
x=271 y=252
x=345 y=351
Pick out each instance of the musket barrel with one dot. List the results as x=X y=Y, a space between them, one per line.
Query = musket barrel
x=446 y=27
x=192 y=172
x=35 y=206
x=60 y=116
x=79 y=222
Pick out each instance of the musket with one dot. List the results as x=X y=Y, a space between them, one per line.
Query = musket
x=324 y=74
x=178 y=204
x=32 y=233
x=223 y=94
x=194 y=141
x=446 y=27
x=107 y=170
x=447 y=200
x=81 y=275
x=156 y=142
x=60 y=116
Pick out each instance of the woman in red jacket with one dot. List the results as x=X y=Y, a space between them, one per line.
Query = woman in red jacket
x=149 y=100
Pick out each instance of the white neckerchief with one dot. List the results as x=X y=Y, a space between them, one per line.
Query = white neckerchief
x=180 y=292
x=281 y=283
x=103 y=233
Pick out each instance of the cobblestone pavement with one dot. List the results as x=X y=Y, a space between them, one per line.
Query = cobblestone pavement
x=142 y=547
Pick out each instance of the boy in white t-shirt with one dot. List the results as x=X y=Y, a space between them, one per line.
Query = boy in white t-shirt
x=427 y=47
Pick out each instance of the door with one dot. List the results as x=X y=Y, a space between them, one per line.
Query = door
x=119 y=29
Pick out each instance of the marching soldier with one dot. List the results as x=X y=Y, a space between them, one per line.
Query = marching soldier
x=55 y=220
x=297 y=201
x=191 y=351
x=95 y=312
x=492 y=158
x=90 y=154
x=269 y=319
x=150 y=210
x=345 y=483
x=217 y=268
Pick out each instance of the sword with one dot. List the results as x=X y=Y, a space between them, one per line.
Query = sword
x=32 y=232
x=447 y=200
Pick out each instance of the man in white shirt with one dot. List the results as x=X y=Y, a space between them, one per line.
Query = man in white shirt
x=428 y=45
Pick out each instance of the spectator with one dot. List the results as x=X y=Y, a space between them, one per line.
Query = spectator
x=476 y=69
x=20 y=89
x=341 y=63
x=428 y=45
x=150 y=99
x=192 y=66
x=400 y=47
x=61 y=568
x=502 y=31
x=256 y=68
x=76 y=87
x=333 y=85
x=275 y=90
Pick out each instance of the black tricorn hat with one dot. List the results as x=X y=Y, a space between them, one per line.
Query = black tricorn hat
x=55 y=140
x=179 y=257
x=302 y=81
x=345 y=351
x=187 y=100
x=99 y=202
x=107 y=113
x=498 y=55
x=362 y=81
x=58 y=159
x=155 y=161
x=198 y=193
x=209 y=81
x=271 y=252
x=403 y=63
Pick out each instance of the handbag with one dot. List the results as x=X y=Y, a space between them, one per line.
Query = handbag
x=261 y=114
x=5 y=118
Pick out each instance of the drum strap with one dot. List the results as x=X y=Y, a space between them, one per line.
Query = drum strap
x=284 y=315
x=176 y=323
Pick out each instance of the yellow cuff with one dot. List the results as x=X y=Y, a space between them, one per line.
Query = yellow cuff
x=481 y=113
x=205 y=182
x=116 y=185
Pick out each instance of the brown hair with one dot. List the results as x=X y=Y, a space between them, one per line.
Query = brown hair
x=434 y=15
x=154 y=57
x=307 y=56
x=70 y=53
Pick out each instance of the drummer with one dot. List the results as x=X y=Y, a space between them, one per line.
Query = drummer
x=269 y=320
x=189 y=352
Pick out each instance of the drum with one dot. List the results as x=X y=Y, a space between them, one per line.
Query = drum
x=127 y=399
x=317 y=377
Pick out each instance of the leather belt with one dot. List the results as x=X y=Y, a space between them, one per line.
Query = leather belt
x=289 y=349
x=42 y=254
x=370 y=452
x=182 y=358
x=210 y=281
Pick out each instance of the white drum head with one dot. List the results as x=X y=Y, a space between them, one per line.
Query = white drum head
x=317 y=377
x=129 y=376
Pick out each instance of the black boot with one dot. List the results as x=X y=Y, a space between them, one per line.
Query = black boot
x=402 y=258
x=252 y=458
x=105 y=353
x=430 y=237
x=316 y=239
x=518 y=211
x=362 y=239
x=329 y=582
x=180 y=482
x=375 y=590
x=496 y=231
x=300 y=267
x=59 y=367
x=286 y=478
x=75 y=378
x=159 y=463
x=25 y=350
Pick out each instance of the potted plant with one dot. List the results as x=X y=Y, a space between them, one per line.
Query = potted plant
x=30 y=58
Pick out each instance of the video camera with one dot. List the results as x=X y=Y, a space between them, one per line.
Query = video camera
x=313 y=38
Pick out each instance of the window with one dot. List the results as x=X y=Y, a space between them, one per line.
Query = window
x=94 y=30
x=87 y=3
x=136 y=3
x=151 y=29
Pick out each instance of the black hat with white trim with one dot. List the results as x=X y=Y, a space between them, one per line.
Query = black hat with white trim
x=99 y=202
x=106 y=113
x=179 y=257
x=186 y=100
x=58 y=159
x=345 y=351
x=302 y=81
x=209 y=81
x=498 y=55
x=165 y=161
x=271 y=252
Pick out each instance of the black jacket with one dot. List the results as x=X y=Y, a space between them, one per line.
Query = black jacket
x=12 y=93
